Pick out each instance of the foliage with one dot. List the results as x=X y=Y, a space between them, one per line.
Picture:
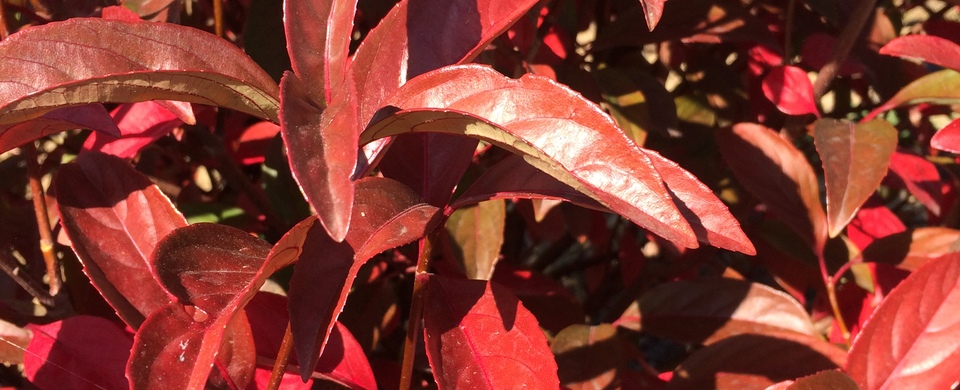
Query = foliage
x=480 y=194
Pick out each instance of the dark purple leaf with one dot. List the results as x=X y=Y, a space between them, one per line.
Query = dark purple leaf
x=115 y=217
x=431 y=164
x=508 y=349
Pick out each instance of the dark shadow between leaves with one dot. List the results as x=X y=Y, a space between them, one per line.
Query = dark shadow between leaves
x=113 y=178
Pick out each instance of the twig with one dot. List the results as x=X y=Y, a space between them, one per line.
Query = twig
x=11 y=267
x=848 y=37
x=788 y=33
x=416 y=311
x=283 y=356
x=218 y=17
x=830 y=285
x=43 y=220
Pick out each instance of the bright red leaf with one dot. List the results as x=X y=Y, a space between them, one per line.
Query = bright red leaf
x=919 y=176
x=789 y=88
x=60 y=355
x=930 y=48
x=911 y=340
x=948 y=138
x=140 y=124
x=855 y=159
x=100 y=197
x=506 y=349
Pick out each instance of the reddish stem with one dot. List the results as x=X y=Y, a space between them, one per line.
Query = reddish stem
x=283 y=356
x=43 y=220
x=416 y=311
x=848 y=37
x=218 y=17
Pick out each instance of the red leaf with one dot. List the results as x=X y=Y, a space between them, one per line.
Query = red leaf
x=126 y=62
x=749 y=361
x=652 y=10
x=855 y=159
x=386 y=215
x=911 y=339
x=873 y=221
x=469 y=100
x=778 y=174
x=939 y=86
x=115 y=217
x=61 y=355
x=507 y=348
x=140 y=124
x=431 y=164
x=477 y=234
x=705 y=311
x=322 y=152
x=919 y=176
x=552 y=304
x=832 y=379
x=911 y=249
x=249 y=146
x=948 y=138
x=318 y=42
x=789 y=88
x=88 y=116
x=930 y=48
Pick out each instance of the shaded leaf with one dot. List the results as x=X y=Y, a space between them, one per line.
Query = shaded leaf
x=126 y=62
x=831 y=379
x=387 y=214
x=948 y=138
x=919 y=176
x=318 y=42
x=88 y=116
x=115 y=217
x=930 y=48
x=321 y=150
x=911 y=339
x=705 y=311
x=60 y=355
x=790 y=90
x=140 y=124
x=589 y=357
x=470 y=100
x=855 y=159
x=750 y=361
x=642 y=103
x=509 y=349
x=939 y=87
x=778 y=174
x=477 y=232
x=431 y=164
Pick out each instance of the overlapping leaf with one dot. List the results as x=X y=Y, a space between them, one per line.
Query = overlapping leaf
x=778 y=174
x=589 y=356
x=930 y=48
x=508 y=349
x=115 y=217
x=386 y=215
x=126 y=62
x=706 y=311
x=477 y=232
x=911 y=341
x=140 y=124
x=919 y=176
x=318 y=42
x=789 y=88
x=89 y=116
x=948 y=138
x=855 y=159
x=940 y=87
x=830 y=379
x=61 y=355
x=554 y=130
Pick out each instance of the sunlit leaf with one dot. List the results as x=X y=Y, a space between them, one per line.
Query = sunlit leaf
x=919 y=176
x=930 y=48
x=948 y=138
x=61 y=354
x=477 y=232
x=911 y=249
x=652 y=10
x=855 y=159
x=938 y=87
x=789 y=88
x=911 y=339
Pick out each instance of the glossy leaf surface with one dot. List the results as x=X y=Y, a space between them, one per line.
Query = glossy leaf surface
x=919 y=176
x=790 y=90
x=101 y=196
x=140 y=124
x=508 y=348
x=938 y=87
x=749 y=361
x=60 y=354
x=89 y=116
x=706 y=311
x=386 y=215
x=778 y=174
x=470 y=100
x=318 y=41
x=948 y=138
x=855 y=159
x=126 y=62
x=911 y=339
x=930 y=48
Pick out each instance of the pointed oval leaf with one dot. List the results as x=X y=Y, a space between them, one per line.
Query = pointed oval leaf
x=61 y=356
x=790 y=90
x=778 y=174
x=911 y=249
x=750 y=361
x=948 y=138
x=705 y=311
x=88 y=116
x=652 y=11
x=387 y=214
x=855 y=159
x=318 y=42
x=930 y=48
x=707 y=215
x=115 y=217
x=940 y=87
x=919 y=176
x=477 y=232
x=507 y=348
x=911 y=340
x=526 y=116
x=322 y=152
x=126 y=62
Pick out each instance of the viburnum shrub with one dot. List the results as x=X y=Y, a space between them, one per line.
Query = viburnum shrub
x=463 y=194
